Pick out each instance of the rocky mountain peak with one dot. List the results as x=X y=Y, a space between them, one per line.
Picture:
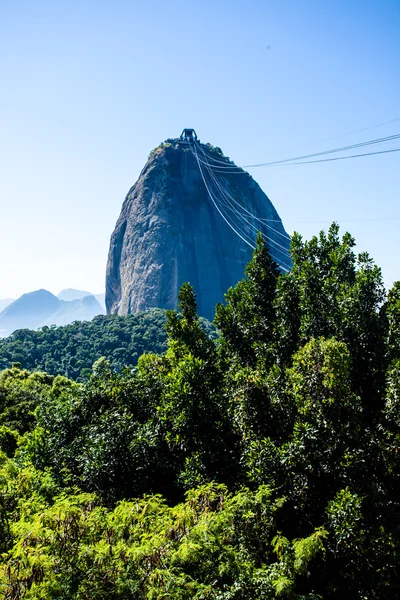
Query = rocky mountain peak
x=191 y=216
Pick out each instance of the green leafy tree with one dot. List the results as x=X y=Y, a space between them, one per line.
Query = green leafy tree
x=332 y=292
x=327 y=427
x=246 y=321
x=192 y=409
x=391 y=316
x=263 y=465
x=71 y=350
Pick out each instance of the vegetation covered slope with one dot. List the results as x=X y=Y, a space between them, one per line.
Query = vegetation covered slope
x=265 y=466
x=72 y=349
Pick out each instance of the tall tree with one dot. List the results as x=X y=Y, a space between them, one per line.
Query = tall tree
x=246 y=321
x=332 y=292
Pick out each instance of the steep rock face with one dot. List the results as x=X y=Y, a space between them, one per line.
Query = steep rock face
x=169 y=231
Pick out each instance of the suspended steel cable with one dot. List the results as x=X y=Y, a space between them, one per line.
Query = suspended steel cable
x=242 y=224
x=332 y=151
x=225 y=203
x=223 y=166
x=231 y=199
x=237 y=228
x=226 y=168
x=335 y=137
x=261 y=220
x=251 y=225
x=310 y=162
x=212 y=199
x=227 y=194
x=219 y=206
x=225 y=163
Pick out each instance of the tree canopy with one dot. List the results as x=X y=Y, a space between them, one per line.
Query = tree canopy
x=263 y=464
x=71 y=350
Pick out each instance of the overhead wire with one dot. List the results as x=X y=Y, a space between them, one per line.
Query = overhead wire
x=231 y=199
x=210 y=157
x=236 y=215
x=249 y=224
x=224 y=166
x=216 y=206
x=335 y=137
x=237 y=228
x=332 y=151
x=240 y=223
x=227 y=204
x=227 y=167
x=229 y=196
x=310 y=162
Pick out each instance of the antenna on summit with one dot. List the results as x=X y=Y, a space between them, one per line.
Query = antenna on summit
x=188 y=135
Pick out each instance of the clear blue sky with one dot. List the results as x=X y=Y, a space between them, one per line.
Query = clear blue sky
x=89 y=87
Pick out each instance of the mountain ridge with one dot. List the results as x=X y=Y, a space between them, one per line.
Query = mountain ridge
x=40 y=307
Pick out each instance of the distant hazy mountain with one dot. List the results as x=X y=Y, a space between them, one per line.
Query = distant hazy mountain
x=101 y=299
x=83 y=309
x=28 y=311
x=40 y=308
x=71 y=294
x=5 y=302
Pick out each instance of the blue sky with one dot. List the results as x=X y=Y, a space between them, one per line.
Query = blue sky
x=88 y=88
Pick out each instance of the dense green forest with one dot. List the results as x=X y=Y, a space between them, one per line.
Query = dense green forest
x=261 y=465
x=72 y=349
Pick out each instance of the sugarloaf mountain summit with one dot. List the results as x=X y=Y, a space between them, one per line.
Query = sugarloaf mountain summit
x=192 y=216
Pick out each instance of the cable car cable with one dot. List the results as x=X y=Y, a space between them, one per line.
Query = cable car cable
x=332 y=151
x=215 y=202
x=310 y=162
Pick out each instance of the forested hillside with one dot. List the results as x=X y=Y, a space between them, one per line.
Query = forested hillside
x=262 y=465
x=72 y=349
